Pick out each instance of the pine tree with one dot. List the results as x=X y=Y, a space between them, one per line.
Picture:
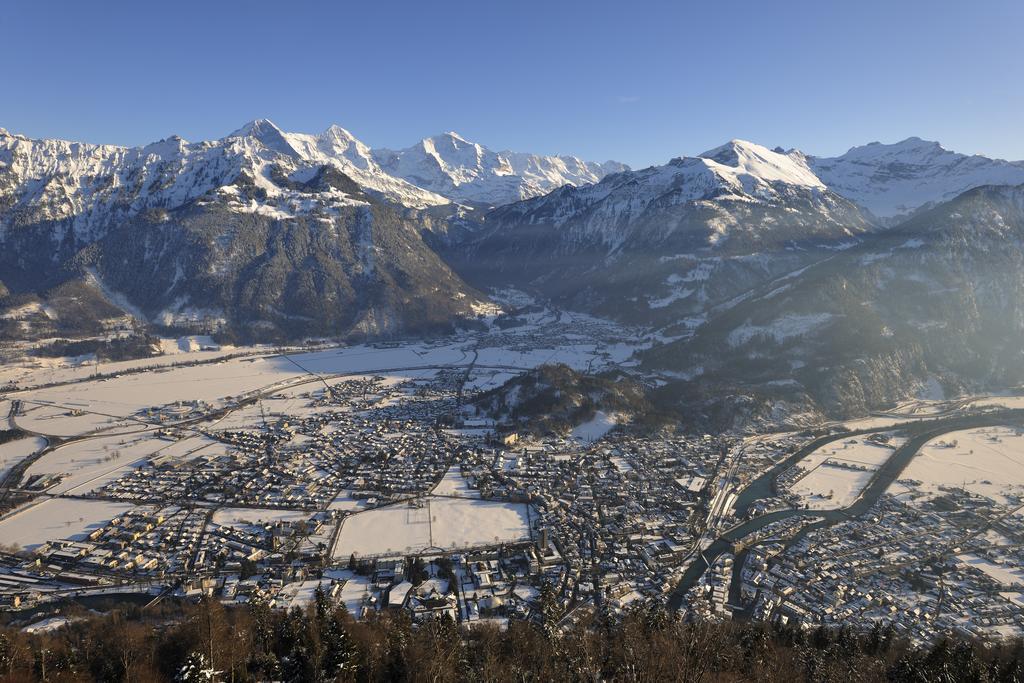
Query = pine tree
x=196 y=670
x=548 y=608
x=340 y=652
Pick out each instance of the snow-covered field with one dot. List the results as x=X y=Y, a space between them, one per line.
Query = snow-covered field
x=346 y=503
x=13 y=452
x=243 y=517
x=67 y=418
x=829 y=488
x=839 y=471
x=87 y=465
x=445 y=523
x=988 y=461
x=90 y=405
x=1008 y=575
x=57 y=518
x=454 y=484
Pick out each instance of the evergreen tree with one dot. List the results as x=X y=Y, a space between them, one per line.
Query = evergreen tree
x=196 y=669
x=548 y=608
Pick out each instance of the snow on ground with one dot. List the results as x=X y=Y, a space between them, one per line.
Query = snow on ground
x=987 y=460
x=190 y=344
x=779 y=330
x=87 y=465
x=829 y=488
x=1014 y=402
x=444 y=523
x=71 y=418
x=57 y=518
x=1006 y=574
x=13 y=452
x=873 y=422
x=484 y=380
x=242 y=517
x=454 y=484
x=354 y=592
x=837 y=472
x=301 y=593
x=34 y=371
x=47 y=625
x=596 y=427
x=346 y=503
x=102 y=402
x=87 y=406
x=189 y=448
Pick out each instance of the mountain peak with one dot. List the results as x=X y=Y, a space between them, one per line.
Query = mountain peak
x=896 y=179
x=749 y=160
x=266 y=133
x=454 y=136
x=255 y=128
x=908 y=146
x=453 y=141
x=337 y=132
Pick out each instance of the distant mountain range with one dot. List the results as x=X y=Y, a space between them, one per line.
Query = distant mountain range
x=266 y=233
x=784 y=286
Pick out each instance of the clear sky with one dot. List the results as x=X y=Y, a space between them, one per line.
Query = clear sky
x=630 y=80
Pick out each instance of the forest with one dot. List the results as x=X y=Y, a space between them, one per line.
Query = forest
x=210 y=642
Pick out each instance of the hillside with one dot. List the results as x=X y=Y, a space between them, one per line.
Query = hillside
x=665 y=244
x=557 y=399
x=937 y=298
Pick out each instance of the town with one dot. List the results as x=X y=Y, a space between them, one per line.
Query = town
x=369 y=473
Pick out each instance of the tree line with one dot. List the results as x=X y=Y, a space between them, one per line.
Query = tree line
x=319 y=643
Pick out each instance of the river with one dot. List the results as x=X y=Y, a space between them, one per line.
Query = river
x=763 y=487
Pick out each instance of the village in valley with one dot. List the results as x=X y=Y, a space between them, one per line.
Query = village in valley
x=368 y=471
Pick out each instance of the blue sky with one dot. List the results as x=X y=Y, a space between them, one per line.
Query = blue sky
x=631 y=80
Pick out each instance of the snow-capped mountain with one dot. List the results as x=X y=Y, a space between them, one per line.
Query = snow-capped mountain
x=89 y=186
x=468 y=172
x=609 y=212
x=267 y=233
x=897 y=179
x=668 y=241
x=338 y=147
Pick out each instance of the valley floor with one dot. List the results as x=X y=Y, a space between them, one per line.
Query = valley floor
x=257 y=473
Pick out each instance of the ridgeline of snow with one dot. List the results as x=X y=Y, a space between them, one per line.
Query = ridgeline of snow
x=738 y=171
x=753 y=167
x=95 y=186
x=465 y=171
x=891 y=180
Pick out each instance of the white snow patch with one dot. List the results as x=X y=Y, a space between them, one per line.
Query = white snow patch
x=786 y=327
x=596 y=427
